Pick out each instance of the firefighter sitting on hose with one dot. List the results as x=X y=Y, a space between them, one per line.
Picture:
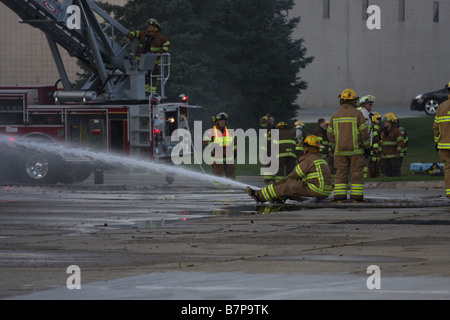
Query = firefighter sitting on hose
x=310 y=178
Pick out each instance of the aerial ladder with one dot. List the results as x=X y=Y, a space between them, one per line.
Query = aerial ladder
x=88 y=33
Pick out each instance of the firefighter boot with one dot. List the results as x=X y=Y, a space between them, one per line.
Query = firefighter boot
x=254 y=194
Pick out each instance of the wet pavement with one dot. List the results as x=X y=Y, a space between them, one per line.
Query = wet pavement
x=137 y=237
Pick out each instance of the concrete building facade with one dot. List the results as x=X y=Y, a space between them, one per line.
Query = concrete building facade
x=406 y=56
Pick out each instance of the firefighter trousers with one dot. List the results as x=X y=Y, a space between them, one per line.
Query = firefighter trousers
x=349 y=166
x=288 y=188
x=444 y=154
x=221 y=169
x=391 y=167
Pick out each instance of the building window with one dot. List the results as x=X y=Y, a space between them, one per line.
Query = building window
x=401 y=10
x=365 y=5
x=326 y=9
x=435 y=11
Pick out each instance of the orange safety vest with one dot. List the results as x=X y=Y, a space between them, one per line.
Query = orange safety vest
x=224 y=140
x=227 y=138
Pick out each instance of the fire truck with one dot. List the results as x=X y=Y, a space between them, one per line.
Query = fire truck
x=112 y=111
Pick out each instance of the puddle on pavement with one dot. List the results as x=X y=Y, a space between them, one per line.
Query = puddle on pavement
x=258 y=209
x=192 y=216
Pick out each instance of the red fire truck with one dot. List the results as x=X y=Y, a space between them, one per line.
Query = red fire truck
x=110 y=112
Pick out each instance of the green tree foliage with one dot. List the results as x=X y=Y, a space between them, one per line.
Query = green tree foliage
x=236 y=56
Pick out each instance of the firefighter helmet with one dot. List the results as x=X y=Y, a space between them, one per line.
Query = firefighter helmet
x=281 y=124
x=348 y=94
x=153 y=22
x=221 y=116
x=389 y=117
x=375 y=116
x=367 y=99
x=313 y=141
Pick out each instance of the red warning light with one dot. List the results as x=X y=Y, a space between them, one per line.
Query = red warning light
x=184 y=98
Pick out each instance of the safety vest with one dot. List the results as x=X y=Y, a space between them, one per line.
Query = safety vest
x=224 y=140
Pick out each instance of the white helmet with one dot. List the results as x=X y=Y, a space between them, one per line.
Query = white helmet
x=367 y=99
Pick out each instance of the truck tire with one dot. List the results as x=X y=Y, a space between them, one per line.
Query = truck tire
x=74 y=173
x=37 y=167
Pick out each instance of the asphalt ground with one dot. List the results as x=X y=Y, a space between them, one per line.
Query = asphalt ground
x=137 y=237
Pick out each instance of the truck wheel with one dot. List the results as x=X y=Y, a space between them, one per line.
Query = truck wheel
x=74 y=173
x=39 y=168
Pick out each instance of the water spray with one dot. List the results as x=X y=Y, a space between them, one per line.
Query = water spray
x=116 y=160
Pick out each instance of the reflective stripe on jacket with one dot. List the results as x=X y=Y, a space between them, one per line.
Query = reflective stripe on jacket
x=392 y=143
x=158 y=44
x=286 y=143
x=314 y=170
x=441 y=125
x=224 y=139
x=348 y=131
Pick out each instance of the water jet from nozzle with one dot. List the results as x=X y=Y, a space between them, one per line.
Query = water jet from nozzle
x=122 y=161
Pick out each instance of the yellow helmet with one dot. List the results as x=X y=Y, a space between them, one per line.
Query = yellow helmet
x=313 y=141
x=389 y=117
x=281 y=124
x=376 y=116
x=348 y=94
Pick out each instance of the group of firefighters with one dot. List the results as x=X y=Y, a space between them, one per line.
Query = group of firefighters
x=355 y=144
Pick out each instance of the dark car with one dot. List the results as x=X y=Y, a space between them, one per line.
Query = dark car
x=430 y=101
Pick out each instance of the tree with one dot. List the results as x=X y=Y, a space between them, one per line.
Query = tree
x=235 y=56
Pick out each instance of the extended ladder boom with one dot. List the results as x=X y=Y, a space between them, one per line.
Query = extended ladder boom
x=73 y=24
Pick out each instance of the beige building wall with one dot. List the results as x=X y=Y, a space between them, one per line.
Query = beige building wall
x=393 y=63
x=25 y=57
